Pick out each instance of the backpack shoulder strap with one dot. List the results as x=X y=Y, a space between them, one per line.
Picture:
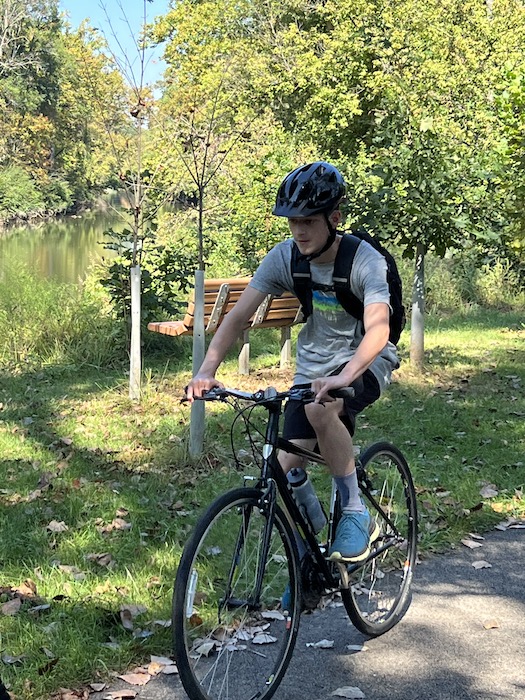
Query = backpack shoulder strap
x=345 y=259
x=302 y=280
x=342 y=272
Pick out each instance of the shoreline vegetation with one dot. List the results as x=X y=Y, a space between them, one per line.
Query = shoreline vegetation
x=98 y=202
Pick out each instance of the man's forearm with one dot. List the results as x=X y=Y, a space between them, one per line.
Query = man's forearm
x=224 y=338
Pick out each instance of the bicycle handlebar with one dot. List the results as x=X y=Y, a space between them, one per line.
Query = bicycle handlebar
x=270 y=394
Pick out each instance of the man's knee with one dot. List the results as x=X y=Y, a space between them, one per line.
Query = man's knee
x=321 y=416
x=289 y=461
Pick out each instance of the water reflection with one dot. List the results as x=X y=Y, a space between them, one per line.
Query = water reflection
x=62 y=249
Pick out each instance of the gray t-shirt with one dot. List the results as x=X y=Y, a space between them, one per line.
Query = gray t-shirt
x=330 y=335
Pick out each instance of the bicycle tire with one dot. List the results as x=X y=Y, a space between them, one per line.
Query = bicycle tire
x=379 y=592
x=241 y=650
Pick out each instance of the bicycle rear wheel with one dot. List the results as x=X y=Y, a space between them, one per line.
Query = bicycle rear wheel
x=379 y=591
x=231 y=640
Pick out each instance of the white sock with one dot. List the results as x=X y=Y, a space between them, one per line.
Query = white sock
x=349 y=493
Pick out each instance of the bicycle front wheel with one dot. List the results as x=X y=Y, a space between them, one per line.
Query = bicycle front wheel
x=231 y=639
x=379 y=591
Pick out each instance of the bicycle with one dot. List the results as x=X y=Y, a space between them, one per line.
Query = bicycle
x=232 y=640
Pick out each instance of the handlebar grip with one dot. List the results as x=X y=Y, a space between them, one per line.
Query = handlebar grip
x=347 y=392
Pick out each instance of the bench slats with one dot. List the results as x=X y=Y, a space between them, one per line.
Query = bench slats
x=220 y=296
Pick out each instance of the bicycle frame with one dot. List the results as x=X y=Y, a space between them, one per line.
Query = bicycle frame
x=271 y=471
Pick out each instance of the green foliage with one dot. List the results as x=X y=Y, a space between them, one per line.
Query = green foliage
x=166 y=274
x=465 y=281
x=511 y=103
x=19 y=194
x=400 y=96
x=53 y=85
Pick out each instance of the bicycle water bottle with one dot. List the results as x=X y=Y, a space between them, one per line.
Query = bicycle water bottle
x=306 y=498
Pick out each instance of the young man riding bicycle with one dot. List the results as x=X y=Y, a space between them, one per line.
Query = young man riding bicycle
x=334 y=349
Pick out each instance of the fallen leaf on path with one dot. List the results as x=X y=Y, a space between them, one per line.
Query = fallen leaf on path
x=161 y=623
x=120 y=694
x=481 y=564
x=134 y=610
x=349 y=692
x=272 y=615
x=162 y=660
x=491 y=624
x=136 y=678
x=356 y=647
x=73 y=571
x=115 y=524
x=322 y=644
x=502 y=507
x=471 y=544
x=205 y=648
x=66 y=694
x=97 y=687
x=264 y=639
x=27 y=589
x=170 y=670
x=128 y=613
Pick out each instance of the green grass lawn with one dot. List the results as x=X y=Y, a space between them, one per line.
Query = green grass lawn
x=97 y=494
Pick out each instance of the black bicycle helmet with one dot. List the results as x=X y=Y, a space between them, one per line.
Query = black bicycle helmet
x=310 y=189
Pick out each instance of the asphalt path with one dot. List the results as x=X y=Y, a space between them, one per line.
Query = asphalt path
x=463 y=637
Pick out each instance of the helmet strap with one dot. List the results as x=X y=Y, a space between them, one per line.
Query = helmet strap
x=329 y=241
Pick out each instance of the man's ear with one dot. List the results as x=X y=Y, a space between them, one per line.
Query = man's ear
x=336 y=217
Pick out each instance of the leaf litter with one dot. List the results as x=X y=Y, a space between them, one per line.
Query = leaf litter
x=351 y=692
x=321 y=644
x=481 y=564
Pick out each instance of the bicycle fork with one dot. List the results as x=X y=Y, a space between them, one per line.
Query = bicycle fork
x=267 y=506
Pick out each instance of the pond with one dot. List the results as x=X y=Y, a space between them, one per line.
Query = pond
x=60 y=249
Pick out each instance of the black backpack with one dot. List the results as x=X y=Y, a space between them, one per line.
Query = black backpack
x=302 y=280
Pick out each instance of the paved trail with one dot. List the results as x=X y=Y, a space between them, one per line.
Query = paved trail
x=441 y=650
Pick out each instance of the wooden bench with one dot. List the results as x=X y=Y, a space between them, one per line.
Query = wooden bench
x=220 y=296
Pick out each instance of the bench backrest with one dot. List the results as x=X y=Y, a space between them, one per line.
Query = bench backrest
x=221 y=295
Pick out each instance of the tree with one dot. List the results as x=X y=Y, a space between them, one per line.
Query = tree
x=48 y=128
x=134 y=178
x=400 y=96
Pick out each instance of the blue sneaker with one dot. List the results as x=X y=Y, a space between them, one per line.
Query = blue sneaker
x=286 y=599
x=355 y=532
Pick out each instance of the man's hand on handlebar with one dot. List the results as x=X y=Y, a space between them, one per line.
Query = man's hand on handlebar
x=200 y=384
x=323 y=385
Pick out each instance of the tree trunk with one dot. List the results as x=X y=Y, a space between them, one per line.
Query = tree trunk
x=197 y=418
x=134 y=355
x=417 y=337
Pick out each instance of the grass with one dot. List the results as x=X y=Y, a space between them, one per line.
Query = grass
x=98 y=495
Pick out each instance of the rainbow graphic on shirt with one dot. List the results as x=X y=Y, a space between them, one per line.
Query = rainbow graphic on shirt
x=326 y=304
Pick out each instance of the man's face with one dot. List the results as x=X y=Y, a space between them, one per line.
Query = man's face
x=311 y=233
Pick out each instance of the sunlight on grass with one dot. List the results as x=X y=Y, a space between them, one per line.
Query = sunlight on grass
x=75 y=451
